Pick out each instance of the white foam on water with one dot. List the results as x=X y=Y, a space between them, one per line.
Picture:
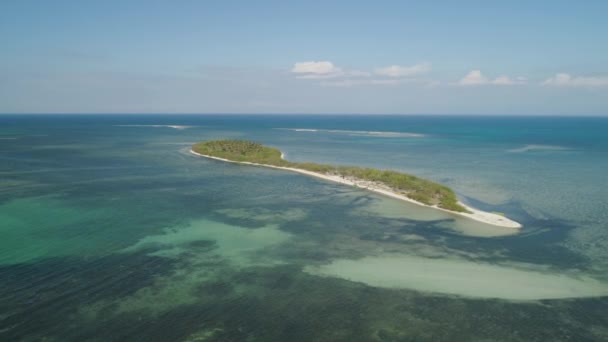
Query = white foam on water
x=463 y=278
x=366 y=133
x=529 y=148
x=167 y=126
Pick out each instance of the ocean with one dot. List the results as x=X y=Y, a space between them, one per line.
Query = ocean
x=112 y=231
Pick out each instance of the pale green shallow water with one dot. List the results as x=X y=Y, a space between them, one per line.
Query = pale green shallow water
x=111 y=230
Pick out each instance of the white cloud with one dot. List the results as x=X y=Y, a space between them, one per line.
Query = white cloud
x=340 y=73
x=352 y=83
x=317 y=68
x=403 y=71
x=566 y=80
x=333 y=76
x=561 y=79
x=475 y=77
x=319 y=76
x=504 y=80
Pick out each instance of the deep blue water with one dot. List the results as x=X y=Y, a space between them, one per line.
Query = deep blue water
x=113 y=231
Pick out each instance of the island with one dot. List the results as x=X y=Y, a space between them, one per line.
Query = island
x=386 y=182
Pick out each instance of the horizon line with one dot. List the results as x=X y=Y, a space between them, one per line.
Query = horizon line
x=309 y=114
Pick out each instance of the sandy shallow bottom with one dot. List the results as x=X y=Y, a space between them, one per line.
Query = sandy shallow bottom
x=463 y=278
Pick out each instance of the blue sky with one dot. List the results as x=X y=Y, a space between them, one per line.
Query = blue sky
x=408 y=57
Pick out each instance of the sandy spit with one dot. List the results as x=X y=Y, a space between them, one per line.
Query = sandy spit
x=477 y=215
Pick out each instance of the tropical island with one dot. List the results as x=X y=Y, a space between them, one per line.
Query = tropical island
x=387 y=182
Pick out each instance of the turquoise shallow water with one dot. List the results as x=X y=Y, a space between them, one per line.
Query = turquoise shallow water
x=111 y=230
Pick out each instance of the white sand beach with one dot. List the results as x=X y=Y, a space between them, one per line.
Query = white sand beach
x=477 y=215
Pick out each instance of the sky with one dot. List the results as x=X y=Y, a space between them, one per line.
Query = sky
x=360 y=57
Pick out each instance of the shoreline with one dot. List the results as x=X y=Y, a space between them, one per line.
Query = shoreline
x=475 y=214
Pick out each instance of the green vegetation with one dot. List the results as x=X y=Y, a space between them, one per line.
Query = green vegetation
x=242 y=151
x=418 y=189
